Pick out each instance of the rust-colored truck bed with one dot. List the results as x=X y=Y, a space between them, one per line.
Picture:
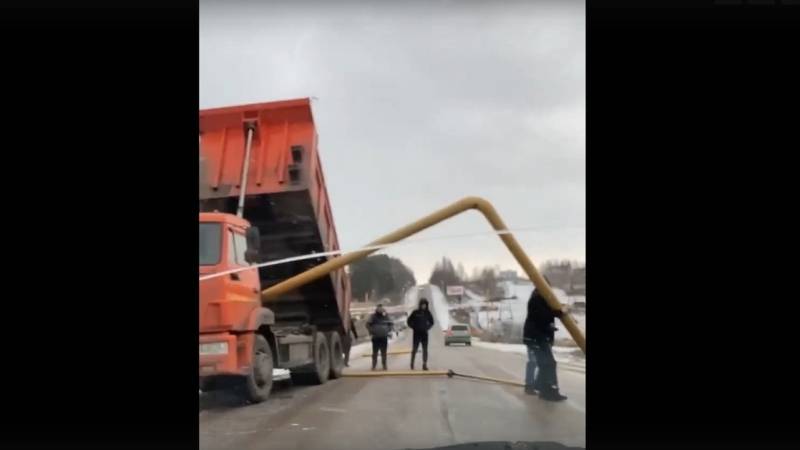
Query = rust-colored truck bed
x=286 y=198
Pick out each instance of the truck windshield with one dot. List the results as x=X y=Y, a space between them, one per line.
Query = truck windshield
x=210 y=243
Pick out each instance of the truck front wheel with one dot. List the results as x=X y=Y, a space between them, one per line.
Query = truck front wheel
x=258 y=383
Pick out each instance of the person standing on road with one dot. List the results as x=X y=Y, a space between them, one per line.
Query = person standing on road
x=348 y=342
x=379 y=327
x=420 y=320
x=539 y=335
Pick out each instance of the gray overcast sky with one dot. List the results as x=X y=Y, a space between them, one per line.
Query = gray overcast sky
x=421 y=104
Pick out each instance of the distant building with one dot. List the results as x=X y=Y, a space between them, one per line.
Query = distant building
x=559 y=275
x=508 y=275
x=578 y=282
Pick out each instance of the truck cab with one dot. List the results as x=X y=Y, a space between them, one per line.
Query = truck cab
x=234 y=338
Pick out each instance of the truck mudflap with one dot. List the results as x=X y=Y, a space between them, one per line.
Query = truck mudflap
x=226 y=354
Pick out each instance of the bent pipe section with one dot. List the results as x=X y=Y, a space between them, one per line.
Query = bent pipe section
x=426 y=222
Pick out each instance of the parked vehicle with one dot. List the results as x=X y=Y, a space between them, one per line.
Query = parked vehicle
x=458 y=334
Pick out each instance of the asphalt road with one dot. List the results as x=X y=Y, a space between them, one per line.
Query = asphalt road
x=403 y=412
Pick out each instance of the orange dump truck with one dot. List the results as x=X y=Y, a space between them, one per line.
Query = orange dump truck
x=263 y=198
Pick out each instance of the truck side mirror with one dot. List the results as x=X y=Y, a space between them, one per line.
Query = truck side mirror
x=253 y=237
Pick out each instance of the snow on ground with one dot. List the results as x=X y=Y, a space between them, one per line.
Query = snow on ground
x=280 y=374
x=522 y=292
x=516 y=310
x=562 y=333
x=411 y=298
x=516 y=348
x=510 y=310
x=562 y=354
x=440 y=307
x=473 y=298
x=366 y=347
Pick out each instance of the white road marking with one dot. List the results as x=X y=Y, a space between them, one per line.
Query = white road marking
x=329 y=409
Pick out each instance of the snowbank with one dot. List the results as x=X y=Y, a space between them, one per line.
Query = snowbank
x=411 y=298
x=562 y=354
x=441 y=310
x=366 y=347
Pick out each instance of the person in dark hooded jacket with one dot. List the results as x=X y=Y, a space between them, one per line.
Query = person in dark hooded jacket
x=420 y=320
x=539 y=335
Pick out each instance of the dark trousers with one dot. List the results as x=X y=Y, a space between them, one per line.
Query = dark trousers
x=546 y=379
x=420 y=339
x=379 y=344
x=530 y=368
x=347 y=342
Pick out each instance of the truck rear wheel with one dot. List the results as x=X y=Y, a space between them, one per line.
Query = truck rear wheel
x=258 y=384
x=318 y=371
x=322 y=360
x=337 y=355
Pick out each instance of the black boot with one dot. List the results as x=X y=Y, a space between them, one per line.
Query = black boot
x=424 y=366
x=552 y=395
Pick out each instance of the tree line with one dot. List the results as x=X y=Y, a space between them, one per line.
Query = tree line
x=569 y=276
x=380 y=276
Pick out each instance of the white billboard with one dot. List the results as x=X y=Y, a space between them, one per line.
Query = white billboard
x=455 y=290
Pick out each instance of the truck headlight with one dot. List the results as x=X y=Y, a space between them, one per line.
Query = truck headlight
x=214 y=348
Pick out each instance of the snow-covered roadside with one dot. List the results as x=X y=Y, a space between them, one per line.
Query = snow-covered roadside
x=411 y=298
x=365 y=348
x=519 y=348
x=516 y=310
x=440 y=307
x=570 y=355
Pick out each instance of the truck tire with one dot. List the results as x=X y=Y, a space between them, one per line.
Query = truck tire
x=337 y=355
x=258 y=384
x=322 y=360
x=318 y=371
x=208 y=384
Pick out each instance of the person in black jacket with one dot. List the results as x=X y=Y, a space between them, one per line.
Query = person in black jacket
x=538 y=335
x=379 y=327
x=420 y=320
x=348 y=342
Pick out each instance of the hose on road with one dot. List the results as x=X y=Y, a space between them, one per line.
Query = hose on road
x=448 y=373
x=451 y=374
x=396 y=373
x=392 y=352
